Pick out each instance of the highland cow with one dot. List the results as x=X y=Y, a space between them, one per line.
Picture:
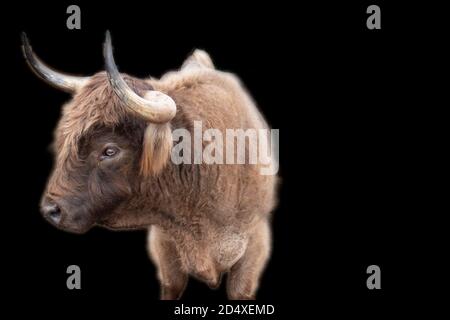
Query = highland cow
x=112 y=168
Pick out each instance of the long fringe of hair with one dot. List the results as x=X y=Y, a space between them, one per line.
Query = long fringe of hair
x=157 y=145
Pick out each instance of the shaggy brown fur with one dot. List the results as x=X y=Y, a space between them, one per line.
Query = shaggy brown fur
x=205 y=219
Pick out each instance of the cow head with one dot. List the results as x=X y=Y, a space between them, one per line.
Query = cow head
x=114 y=132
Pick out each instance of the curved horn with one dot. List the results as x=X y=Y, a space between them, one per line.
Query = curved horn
x=155 y=107
x=59 y=80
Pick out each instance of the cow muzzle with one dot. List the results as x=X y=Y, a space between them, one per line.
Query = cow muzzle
x=52 y=212
x=59 y=215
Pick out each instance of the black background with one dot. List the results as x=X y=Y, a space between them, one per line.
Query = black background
x=342 y=96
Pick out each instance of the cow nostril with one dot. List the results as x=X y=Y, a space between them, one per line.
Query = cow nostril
x=54 y=213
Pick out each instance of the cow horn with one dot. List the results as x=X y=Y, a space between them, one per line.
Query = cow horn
x=59 y=80
x=155 y=107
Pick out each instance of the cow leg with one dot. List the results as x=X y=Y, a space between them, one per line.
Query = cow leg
x=172 y=278
x=243 y=278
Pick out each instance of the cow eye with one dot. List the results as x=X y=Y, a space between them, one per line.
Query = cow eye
x=109 y=152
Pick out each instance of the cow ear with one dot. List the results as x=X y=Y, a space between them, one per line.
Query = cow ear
x=157 y=146
x=198 y=59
